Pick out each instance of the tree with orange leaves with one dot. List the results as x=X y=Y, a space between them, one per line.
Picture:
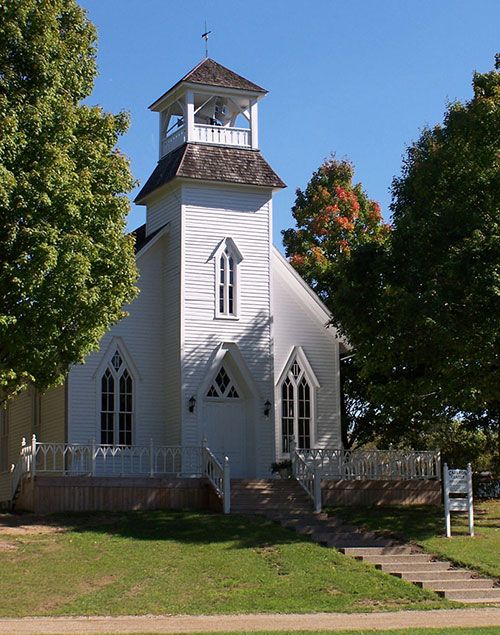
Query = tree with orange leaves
x=333 y=217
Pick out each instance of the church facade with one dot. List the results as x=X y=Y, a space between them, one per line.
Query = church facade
x=225 y=344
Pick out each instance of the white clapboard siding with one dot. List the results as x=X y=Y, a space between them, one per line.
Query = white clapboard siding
x=163 y=209
x=299 y=321
x=142 y=333
x=210 y=214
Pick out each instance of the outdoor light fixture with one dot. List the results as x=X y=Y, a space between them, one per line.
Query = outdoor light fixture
x=192 y=404
x=267 y=408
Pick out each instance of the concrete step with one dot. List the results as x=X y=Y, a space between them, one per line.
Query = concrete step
x=367 y=551
x=396 y=558
x=299 y=514
x=470 y=584
x=446 y=574
x=414 y=567
x=484 y=595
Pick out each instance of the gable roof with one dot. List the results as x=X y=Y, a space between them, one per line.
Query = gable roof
x=212 y=163
x=141 y=239
x=210 y=73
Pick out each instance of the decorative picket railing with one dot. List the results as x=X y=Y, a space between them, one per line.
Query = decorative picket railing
x=307 y=476
x=80 y=459
x=217 y=135
x=222 y=135
x=219 y=476
x=117 y=460
x=373 y=464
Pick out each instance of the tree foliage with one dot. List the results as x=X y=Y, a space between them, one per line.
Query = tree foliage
x=422 y=310
x=333 y=217
x=66 y=267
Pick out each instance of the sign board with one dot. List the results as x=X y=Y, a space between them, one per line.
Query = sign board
x=459 y=483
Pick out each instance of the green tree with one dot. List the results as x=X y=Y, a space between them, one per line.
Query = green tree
x=66 y=267
x=422 y=310
x=333 y=218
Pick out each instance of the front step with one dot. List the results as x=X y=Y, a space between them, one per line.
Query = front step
x=413 y=567
x=419 y=568
x=471 y=584
x=485 y=595
x=286 y=503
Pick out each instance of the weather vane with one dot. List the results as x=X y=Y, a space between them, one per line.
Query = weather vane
x=205 y=37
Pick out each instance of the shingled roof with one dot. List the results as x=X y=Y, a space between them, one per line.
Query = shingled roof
x=212 y=163
x=141 y=240
x=210 y=73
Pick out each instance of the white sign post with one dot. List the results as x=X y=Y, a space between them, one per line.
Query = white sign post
x=458 y=482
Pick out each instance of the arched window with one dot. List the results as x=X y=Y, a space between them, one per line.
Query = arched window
x=227 y=260
x=296 y=408
x=116 y=403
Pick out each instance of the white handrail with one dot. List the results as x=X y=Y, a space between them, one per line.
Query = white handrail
x=334 y=463
x=307 y=476
x=219 y=477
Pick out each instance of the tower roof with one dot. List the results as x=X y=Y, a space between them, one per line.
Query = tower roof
x=212 y=163
x=210 y=73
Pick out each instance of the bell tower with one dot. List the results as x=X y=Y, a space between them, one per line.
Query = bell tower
x=211 y=194
x=211 y=104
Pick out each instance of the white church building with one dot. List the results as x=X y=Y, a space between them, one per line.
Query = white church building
x=225 y=362
x=225 y=341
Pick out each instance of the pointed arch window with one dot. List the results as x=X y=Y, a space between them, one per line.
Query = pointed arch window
x=296 y=407
x=227 y=260
x=117 y=403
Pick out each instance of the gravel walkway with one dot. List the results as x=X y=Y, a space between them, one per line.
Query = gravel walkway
x=257 y=622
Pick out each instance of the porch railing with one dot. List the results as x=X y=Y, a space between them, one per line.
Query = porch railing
x=79 y=459
x=117 y=460
x=307 y=476
x=373 y=464
x=219 y=476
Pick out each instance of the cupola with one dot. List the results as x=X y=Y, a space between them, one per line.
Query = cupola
x=210 y=105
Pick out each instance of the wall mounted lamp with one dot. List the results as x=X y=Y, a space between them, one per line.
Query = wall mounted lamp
x=192 y=403
x=267 y=408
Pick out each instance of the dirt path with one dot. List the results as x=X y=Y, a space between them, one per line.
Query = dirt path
x=258 y=622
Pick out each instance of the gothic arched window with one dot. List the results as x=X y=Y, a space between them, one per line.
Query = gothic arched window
x=227 y=260
x=296 y=408
x=116 y=403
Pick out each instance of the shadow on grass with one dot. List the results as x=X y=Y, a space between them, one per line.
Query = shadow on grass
x=179 y=526
x=403 y=522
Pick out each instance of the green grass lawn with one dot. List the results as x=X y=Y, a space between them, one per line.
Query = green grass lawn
x=425 y=526
x=185 y=562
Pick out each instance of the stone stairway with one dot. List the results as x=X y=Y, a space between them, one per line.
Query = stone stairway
x=284 y=502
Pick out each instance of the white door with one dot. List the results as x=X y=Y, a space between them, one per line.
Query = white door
x=225 y=429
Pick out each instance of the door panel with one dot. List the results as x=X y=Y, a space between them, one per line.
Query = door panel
x=225 y=425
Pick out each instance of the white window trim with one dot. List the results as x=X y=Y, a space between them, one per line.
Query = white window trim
x=297 y=354
x=234 y=253
x=116 y=397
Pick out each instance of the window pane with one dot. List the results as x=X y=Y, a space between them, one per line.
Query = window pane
x=286 y=414
x=125 y=414
x=221 y=298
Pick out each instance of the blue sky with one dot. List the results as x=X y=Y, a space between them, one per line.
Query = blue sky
x=356 y=77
